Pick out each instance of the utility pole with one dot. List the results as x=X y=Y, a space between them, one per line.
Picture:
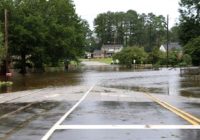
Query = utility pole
x=150 y=28
x=6 y=39
x=167 y=41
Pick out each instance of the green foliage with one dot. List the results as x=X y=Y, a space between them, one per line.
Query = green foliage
x=129 y=54
x=193 y=49
x=43 y=32
x=156 y=56
x=189 y=32
x=176 y=58
x=130 y=29
x=174 y=36
x=186 y=60
x=3 y=84
x=102 y=60
x=189 y=21
x=173 y=58
x=2 y=49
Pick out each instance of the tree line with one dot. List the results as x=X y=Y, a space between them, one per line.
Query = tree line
x=150 y=31
x=43 y=32
x=189 y=28
x=131 y=28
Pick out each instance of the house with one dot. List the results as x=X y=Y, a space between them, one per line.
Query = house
x=88 y=55
x=98 y=54
x=172 y=46
x=109 y=50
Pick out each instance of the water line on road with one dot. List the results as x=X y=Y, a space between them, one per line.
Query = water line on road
x=6 y=101
x=21 y=125
x=13 y=112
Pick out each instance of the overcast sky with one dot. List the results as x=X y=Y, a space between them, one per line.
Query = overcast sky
x=89 y=9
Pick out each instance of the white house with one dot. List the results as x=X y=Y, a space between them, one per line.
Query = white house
x=162 y=49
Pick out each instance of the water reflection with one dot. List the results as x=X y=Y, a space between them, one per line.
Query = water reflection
x=42 y=80
x=190 y=87
x=164 y=81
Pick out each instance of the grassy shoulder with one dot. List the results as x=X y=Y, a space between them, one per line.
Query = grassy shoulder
x=102 y=60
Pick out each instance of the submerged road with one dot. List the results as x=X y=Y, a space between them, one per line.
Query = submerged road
x=109 y=105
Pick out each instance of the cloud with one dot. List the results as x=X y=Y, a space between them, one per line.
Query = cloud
x=89 y=9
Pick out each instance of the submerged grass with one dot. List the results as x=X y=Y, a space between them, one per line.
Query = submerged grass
x=102 y=60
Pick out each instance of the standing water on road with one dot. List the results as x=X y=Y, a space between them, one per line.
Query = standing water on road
x=164 y=81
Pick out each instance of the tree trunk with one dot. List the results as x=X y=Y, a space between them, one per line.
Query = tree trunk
x=3 y=68
x=23 y=64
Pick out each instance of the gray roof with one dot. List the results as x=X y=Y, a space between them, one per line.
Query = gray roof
x=97 y=52
x=116 y=46
x=173 y=46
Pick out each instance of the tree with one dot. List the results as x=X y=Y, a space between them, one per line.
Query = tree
x=189 y=28
x=189 y=20
x=155 y=31
x=43 y=32
x=156 y=56
x=130 y=29
x=193 y=49
x=2 y=49
x=174 y=37
x=2 y=55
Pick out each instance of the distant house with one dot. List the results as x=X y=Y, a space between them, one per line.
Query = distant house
x=88 y=55
x=172 y=46
x=109 y=50
x=98 y=54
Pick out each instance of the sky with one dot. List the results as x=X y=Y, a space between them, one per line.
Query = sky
x=89 y=9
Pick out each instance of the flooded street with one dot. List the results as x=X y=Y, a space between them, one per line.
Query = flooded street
x=164 y=81
x=133 y=100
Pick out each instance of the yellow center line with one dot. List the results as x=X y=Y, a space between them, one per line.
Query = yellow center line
x=185 y=113
x=186 y=116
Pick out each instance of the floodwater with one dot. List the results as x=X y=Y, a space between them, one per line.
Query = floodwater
x=164 y=81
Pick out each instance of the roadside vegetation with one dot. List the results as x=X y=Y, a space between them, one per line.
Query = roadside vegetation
x=189 y=33
x=137 y=55
x=5 y=84
x=131 y=55
x=148 y=32
x=43 y=33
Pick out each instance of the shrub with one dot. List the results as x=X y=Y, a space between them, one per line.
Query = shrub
x=193 y=49
x=129 y=54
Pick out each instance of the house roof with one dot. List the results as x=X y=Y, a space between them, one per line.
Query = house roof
x=172 y=46
x=97 y=52
x=116 y=46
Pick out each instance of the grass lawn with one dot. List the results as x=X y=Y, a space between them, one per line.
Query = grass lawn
x=102 y=60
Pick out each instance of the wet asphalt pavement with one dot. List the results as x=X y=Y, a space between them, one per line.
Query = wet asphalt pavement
x=127 y=135
x=117 y=99
x=31 y=123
